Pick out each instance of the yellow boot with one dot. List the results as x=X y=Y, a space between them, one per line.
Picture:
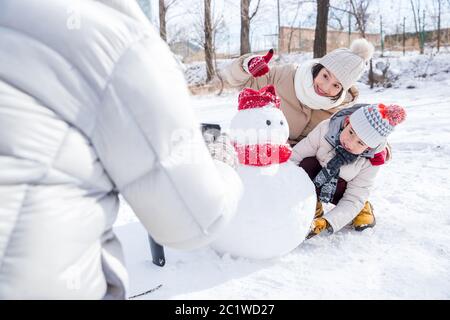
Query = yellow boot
x=319 y=210
x=365 y=219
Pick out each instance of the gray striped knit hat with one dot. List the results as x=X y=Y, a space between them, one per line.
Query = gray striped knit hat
x=373 y=123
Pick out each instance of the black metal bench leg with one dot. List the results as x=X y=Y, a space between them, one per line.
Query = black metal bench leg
x=157 y=250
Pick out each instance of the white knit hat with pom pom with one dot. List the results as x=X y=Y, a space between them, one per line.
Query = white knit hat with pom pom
x=348 y=65
x=373 y=123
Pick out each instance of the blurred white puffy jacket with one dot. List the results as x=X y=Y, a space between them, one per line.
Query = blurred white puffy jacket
x=92 y=105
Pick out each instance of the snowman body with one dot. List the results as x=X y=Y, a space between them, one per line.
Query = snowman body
x=278 y=204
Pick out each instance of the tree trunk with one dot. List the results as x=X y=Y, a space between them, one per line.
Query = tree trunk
x=359 y=9
x=208 y=42
x=291 y=31
x=417 y=24
x=404 y=35
x=162 y=20
x=245 y=27
x=371 y=80
x=320 y=37
x=439 y=27
x=422 y=35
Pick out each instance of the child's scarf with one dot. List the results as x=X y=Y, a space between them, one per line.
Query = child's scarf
x=328 y=177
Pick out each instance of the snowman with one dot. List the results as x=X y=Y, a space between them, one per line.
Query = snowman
x=278 y=204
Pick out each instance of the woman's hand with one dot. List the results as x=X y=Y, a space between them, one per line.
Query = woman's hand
x=258 y=66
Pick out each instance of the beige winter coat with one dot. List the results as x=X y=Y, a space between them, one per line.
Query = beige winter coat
x=359 y=175
x=301 y=118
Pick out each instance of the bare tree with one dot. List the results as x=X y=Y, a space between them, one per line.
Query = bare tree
x=419 y=24
x=336 y=21
x=359 y=9
x=439 y=26
x=208 y=41
x=338 y=14
x=292 y=28
x=436 y=17
x=164 y=6
x=245 y=24
x=207 y=25
x=320 y=36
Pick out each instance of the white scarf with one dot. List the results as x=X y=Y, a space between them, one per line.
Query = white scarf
x=304 y=89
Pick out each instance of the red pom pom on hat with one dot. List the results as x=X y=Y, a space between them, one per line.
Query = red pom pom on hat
x=395 y=114
x=250 y=98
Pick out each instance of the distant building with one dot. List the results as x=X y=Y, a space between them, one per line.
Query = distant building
x=302 y=39
x=184 y=49
x=395 y=41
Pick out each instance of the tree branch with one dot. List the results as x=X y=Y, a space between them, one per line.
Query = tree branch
x=170 y=3
x=254 y=12
x=415 y=17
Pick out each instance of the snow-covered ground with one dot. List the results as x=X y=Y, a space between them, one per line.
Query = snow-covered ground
x=406 y=256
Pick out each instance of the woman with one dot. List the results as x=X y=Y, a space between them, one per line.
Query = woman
x=310 y=92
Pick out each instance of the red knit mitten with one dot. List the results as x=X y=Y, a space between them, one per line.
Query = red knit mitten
x=258 y=66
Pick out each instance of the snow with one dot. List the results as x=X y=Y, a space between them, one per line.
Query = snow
x=274 y=214
x=195 y=73
x=407 y=254
x=250 y=127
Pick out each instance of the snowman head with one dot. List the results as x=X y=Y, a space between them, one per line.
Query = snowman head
x=259 y=119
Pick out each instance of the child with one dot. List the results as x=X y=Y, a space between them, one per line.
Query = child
x=342 y=156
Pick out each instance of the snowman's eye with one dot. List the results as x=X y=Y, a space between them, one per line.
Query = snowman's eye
x=268 y=122
x=281 y=122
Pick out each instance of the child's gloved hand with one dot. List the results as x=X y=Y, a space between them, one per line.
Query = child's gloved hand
x=258 y=66
x=317 y=226
x=223 y=150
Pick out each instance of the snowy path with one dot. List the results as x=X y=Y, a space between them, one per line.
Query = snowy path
x=406 y=256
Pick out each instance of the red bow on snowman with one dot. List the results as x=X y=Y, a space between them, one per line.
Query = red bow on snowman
x=249 y=98
x=261 y=154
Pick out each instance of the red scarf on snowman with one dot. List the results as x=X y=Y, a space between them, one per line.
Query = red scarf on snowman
x=261 y=154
